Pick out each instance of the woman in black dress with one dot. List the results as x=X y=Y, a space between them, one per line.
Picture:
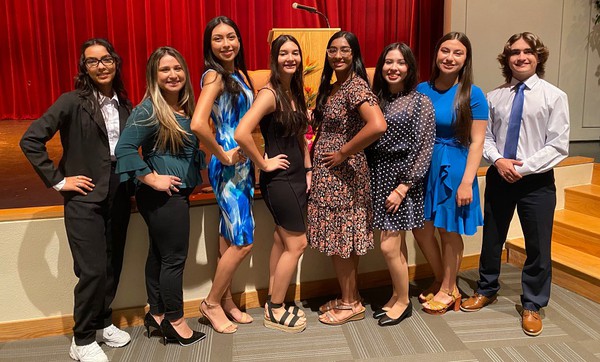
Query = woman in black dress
x=280 y=109
x=398 y=163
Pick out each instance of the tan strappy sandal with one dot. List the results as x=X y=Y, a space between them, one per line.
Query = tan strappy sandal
x=358 y=313
x=439 y=308
x=225 y=328
x=246 y=318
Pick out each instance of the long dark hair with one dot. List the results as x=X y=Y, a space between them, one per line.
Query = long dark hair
x=380 y=85
x=84 y=83
x=211 y=61
x=325 y=87
x=462 y=101
x=294 y=123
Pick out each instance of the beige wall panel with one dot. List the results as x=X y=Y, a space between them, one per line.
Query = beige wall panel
x=567 y=29
x=591 y=111
x=573 y=61
x=490 y=23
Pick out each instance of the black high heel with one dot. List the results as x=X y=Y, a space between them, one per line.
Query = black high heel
x=149 y=321
x=379 y=313
x=170 y=335
x=387 y=321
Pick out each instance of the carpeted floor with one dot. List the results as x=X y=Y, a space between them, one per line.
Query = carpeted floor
x=571 y=333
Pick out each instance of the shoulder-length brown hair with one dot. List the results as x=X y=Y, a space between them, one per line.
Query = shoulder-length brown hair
x=380 y=85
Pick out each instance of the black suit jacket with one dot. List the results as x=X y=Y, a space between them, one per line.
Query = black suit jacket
x=84 y=139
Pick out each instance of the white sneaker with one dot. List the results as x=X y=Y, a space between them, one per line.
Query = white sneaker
x=88 y=353
x=114 y=337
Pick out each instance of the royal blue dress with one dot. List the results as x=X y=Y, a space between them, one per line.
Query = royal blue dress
x=448 y=164
x=233 y=185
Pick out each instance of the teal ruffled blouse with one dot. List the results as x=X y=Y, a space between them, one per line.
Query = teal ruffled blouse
x=139 y=132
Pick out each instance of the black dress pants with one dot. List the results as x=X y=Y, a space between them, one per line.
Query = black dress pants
x=168 y=220
x=97 y=232
x=534 y=197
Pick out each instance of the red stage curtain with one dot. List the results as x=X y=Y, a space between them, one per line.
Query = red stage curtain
x=43 y=37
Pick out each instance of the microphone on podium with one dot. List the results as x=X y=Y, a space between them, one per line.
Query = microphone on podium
x=311 y=10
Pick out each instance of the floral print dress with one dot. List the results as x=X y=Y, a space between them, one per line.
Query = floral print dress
x=340 y=212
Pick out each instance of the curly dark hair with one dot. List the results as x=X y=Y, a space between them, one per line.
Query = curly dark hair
x=84 y=83
x=536 y=45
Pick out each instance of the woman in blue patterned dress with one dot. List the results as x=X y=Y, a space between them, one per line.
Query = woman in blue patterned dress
x=451 y=190
x=226 y=96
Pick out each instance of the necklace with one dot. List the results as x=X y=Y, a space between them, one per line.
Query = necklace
x=397 y=95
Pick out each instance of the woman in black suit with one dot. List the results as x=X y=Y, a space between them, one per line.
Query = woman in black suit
x=97 y=205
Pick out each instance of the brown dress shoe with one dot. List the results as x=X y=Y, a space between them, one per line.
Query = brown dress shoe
x=476 y=302
x=531 y=322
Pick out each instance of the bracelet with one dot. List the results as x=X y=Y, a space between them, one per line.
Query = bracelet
x=308 y=169
x=399 y=193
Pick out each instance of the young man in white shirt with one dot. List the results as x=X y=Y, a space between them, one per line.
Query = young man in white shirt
x=527 y=135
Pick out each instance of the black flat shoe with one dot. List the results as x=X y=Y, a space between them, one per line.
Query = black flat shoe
x=149 y=321
x=170 y=335
x=387 y=321
x=379 y=313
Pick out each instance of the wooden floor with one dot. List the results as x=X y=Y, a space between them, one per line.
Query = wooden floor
x=575 y=240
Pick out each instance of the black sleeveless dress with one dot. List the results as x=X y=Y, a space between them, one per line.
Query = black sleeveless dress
x=284 y=191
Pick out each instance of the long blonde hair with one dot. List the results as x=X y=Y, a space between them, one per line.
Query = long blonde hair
x=170 y=134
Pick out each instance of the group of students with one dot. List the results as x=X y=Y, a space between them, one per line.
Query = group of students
x=400 y=156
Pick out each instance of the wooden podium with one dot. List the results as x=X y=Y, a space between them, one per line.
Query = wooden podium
x=313 y=42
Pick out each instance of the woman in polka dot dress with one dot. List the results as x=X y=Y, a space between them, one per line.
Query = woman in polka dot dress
x=399 y=162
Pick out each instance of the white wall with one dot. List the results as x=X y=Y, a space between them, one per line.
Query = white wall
x=566 y=28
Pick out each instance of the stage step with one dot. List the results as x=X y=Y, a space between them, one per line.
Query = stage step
x=584 y=199
x=572 y=269
x=575 y=241
x=577 y=230
x=596 y=174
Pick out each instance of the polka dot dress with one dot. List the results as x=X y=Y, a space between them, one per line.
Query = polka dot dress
x=402 y=155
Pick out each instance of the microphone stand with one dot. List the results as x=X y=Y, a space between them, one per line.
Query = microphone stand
x=323 y=15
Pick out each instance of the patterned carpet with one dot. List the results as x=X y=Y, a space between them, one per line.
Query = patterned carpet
x=571 y=333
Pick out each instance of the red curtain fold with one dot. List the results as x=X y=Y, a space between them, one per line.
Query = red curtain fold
x=43 y=37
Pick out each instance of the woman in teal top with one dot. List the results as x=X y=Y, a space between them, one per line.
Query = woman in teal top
x=451 y=192
x=167 y=173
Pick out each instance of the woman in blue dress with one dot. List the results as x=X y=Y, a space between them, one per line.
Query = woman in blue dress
x=451 y=191
x=226 y=96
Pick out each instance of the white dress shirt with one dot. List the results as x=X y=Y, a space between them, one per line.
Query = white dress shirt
x=110 y=112
x=544 y=132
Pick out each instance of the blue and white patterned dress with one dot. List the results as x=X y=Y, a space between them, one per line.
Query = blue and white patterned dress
x=233 y=185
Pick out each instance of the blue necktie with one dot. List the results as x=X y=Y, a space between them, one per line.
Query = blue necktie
x=514 y=125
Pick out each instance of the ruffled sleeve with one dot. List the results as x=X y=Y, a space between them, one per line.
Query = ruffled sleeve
x=137 y=132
